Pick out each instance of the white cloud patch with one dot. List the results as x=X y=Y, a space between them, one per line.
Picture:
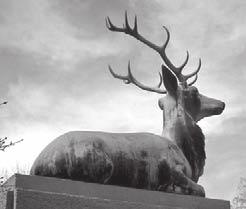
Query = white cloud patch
x=225 y=158
x=34 y=28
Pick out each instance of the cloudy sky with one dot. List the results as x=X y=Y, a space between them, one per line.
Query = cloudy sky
x=53 y=63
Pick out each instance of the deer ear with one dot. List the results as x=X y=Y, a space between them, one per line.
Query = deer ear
x=170 y=81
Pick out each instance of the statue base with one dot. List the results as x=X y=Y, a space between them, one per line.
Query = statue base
x=29 y=192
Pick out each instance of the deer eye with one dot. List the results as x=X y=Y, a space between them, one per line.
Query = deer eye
x=194 y=93
x=195 y=90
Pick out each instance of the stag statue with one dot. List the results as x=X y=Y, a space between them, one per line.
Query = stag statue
x=172 y=162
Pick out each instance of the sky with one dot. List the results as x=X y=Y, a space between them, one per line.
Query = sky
x=53 y=65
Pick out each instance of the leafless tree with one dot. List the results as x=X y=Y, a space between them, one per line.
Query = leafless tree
x=3 y=141
x=239 y=201
x=5 y=144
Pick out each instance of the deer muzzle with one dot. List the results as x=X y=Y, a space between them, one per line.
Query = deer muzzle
x=210 y=107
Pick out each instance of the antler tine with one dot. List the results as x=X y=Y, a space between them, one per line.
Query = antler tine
x=162 y=52
x=135 y=25
x=127 y=26
x=168 y=38
x=176 y=70
x=125 y=79
x=142 y=86
x=112 y=27
x=131 y=79
x=185 y=62
x=160 y=82
x=192 y=82
x=186 y=77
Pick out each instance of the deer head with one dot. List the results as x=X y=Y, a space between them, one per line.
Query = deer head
x=182 y=102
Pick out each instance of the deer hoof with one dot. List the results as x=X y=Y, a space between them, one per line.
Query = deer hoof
x=199 y=191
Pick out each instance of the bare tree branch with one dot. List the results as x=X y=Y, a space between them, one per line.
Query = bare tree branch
x=4 y=144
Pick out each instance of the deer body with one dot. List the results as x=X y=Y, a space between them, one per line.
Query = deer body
x=172 y=162
x=140 y=160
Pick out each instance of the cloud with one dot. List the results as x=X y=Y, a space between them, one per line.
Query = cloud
x=45 y=35
x=90 y=16
x=225 y=157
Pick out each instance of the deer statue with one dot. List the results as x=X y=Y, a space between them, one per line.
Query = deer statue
x=172 y=162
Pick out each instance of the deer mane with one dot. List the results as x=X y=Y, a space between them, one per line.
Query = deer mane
x=193 y=147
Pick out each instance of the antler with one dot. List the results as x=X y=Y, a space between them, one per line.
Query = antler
x=160 y=49
x=129 y=78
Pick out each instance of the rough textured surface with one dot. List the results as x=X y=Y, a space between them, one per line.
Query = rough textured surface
x=6 y=199
x=51 y=193
x=27 y=199
x=138 y=160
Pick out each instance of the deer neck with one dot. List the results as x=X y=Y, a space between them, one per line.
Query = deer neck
x=174 y=124
x=174 y=121
x=179 y=127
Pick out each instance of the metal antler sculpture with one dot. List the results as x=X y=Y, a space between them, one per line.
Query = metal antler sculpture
x=159 y=49
x=172 y=162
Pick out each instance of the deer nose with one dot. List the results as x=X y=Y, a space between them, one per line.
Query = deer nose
x=220 y=108
x=223 y=106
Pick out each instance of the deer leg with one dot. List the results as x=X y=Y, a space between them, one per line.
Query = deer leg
x=186 y=184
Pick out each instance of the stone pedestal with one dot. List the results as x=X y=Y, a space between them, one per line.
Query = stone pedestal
x=35 y=192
